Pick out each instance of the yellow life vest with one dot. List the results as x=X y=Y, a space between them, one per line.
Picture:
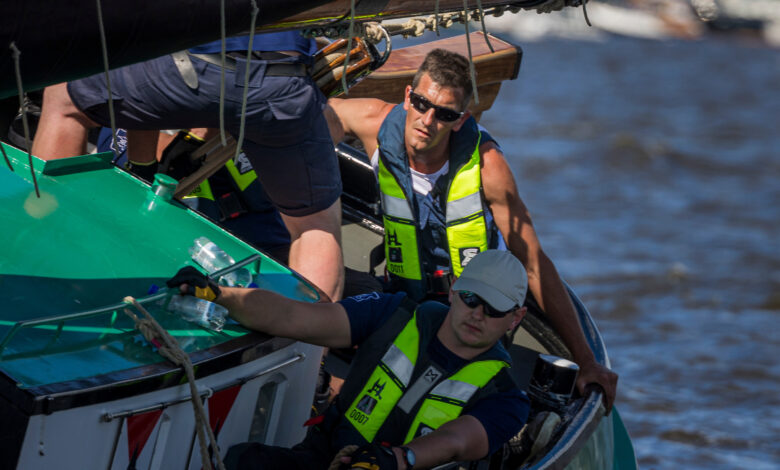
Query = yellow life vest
x=467 y=232
x=389 y=387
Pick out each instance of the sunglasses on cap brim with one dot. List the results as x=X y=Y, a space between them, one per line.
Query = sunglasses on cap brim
x=422 y=105
x=472 y=300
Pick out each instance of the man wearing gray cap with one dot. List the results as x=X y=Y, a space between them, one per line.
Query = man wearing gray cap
x=429 y=383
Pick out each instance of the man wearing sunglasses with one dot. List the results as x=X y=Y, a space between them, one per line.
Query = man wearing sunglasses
x=429 y=384
x=448 y=193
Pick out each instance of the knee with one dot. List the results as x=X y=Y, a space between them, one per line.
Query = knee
x=56 y=98
x=57 y=102
x=327 y=220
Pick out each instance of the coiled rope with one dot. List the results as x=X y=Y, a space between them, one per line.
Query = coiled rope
x=375 y=32
x=417 y=26
x=168 y=348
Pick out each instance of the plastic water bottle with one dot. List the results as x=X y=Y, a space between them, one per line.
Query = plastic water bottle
x=204 y=313
x=212 y=258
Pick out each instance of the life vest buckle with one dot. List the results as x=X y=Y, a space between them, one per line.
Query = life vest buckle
x=230 y=206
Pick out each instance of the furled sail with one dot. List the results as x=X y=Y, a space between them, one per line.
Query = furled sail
x=60 y=41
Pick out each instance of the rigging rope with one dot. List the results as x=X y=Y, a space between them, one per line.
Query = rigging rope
x=349 y=47
x=104 y=49
x=223 y=33
x=242 y=125
x=484 y=28
x=18 y=69
x=168 y=348
x=585 y=13
x=472 y=69
x=374 y=32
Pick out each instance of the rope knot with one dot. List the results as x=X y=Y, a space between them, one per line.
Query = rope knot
x=168 y=348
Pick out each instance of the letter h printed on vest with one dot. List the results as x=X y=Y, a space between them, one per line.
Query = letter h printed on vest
x=401 y=251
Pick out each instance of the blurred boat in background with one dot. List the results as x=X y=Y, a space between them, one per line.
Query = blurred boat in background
x=653 y=19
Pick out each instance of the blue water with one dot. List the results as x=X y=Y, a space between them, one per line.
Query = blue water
x=652 y=173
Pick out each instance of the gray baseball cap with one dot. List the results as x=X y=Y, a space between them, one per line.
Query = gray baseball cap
x=497 y=276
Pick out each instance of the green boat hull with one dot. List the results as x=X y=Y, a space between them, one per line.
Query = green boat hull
x=69 y=353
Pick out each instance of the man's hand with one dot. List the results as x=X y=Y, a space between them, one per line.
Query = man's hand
x=371 y=457
x=593 y=372
x=192 y=282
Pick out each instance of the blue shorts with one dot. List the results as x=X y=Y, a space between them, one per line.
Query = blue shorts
x=286 y=135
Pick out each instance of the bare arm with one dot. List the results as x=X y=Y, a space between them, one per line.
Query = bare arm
x=463 y=438
x=324 y=324
x=358 y=117
x=514 y=222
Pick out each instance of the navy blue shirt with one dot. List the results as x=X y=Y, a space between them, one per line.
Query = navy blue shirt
x=501 y=414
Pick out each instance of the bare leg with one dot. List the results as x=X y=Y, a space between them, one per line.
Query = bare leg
x=315 y=251
x=62 y=129
x=142 y=146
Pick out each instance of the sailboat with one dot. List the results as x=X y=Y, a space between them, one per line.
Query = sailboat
x=81 y=387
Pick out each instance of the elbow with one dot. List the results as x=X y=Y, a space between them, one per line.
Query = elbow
x=538 y=264
x=464 y=443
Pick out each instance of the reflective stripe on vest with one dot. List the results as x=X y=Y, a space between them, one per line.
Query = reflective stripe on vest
x=447 y=399
x=390 y=380
x=401 y=253
x=467 y=232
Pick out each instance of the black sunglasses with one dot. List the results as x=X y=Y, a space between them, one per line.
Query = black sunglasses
x=422 y=105
x=472 y=300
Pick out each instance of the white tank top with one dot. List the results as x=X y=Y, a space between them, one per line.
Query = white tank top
x=422 y=183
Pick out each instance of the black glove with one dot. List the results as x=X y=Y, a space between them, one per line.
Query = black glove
x=373 y=457
x=199 y=284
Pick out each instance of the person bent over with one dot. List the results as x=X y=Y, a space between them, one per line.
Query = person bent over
x=287 y=139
